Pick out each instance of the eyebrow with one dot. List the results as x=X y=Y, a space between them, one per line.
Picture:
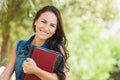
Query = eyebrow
x=51 y=23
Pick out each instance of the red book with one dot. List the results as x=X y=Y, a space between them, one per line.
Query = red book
x=45 y=59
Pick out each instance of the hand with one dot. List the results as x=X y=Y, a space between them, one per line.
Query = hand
x=29 y=66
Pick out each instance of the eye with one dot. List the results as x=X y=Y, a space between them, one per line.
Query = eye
x=52 y=25
x=43 y=21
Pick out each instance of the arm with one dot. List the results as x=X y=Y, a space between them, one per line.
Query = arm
x=9 y=68
x=62 y=50
x=44 y=75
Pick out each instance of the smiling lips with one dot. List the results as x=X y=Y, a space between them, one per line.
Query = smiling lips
x=43 y=33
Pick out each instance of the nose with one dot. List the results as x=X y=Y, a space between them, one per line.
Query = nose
x=47 y=27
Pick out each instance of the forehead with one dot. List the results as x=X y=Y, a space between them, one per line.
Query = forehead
x=49 y=16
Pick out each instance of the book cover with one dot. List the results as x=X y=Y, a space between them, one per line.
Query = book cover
x=45 y=59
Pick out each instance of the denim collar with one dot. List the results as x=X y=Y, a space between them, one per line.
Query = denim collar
x=28 y=42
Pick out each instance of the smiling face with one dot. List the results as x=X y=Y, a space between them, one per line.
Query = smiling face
x=46 y=25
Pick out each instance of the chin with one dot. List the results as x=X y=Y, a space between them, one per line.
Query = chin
x=43 y=38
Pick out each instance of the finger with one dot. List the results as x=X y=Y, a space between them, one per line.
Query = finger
x=28 y=59
x=23 y=63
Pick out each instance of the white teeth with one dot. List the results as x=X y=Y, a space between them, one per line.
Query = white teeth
x=43 y=33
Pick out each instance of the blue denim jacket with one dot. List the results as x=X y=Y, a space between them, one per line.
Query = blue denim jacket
x=22 y=50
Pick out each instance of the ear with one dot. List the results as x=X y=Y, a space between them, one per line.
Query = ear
x=35 y=23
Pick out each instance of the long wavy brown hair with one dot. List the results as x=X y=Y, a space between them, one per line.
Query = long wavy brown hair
x=57 y=40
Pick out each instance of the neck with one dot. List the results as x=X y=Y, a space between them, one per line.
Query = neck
x=37 y=41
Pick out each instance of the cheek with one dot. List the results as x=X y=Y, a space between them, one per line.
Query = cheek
x=34 y=28
x=37 y=28
x=53 y=31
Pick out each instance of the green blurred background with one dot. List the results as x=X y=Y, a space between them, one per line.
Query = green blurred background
x=91 y=26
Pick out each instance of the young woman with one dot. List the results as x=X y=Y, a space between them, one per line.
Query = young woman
x=49 y=33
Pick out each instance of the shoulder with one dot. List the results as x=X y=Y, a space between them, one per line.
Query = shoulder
x=20 y=43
